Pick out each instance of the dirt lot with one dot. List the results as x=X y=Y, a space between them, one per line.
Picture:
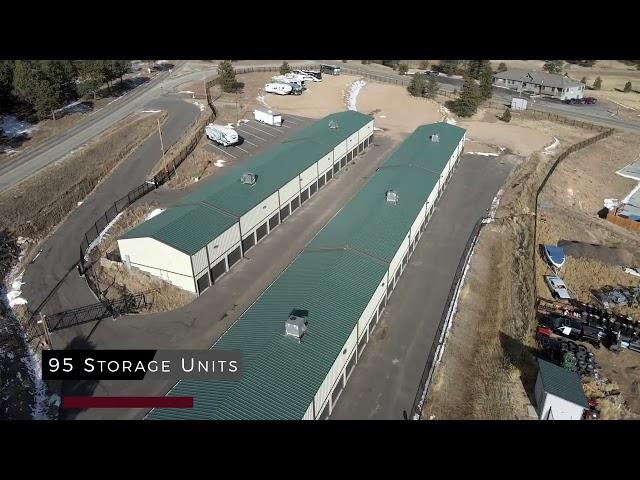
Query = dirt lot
x=114 y=278
x=33 y=207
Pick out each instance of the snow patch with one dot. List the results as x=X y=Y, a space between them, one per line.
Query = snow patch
x=484 y=154
x=262 y=101
x=632 y=271
x=154 y=213
x=187 y=91
x=12 y=127
x=376 y=129
x=352 y=94
x=220 y=163
x=151 y=111
x=382 y=116
x=101 y=237
x=79 y=203
x=611 y=203
x=201 y=106
x=495 y=203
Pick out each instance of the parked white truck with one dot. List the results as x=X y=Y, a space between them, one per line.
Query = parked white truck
x=268 y=117
x=278 y=88
x=221 y=134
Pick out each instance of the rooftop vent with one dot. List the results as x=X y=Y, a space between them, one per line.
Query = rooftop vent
x=333 y=124
x=392 y=197
x=434 y=138
x=248 y=178
x=296 y=324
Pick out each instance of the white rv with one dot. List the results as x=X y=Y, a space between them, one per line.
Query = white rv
x=220 y=134
x=290 y=79
x=268 y=117
x=307 y=77
x=278 y=88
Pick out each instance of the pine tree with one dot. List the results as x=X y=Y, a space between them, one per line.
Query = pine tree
x=467 y=104
x=627 y=87
x=486 y=81
x=6 y=85
x=285 y=68
x=227 y=76
x=584 y=80
x=449 y=67
x=403 y=68
x=42 y=84
x=121 y=68
x=417 y=85
x=597 y=84
x=424 y=64
x=476 y=67
x=553 y=66
x=502 y=67
x=432 y=89
x=506 y=116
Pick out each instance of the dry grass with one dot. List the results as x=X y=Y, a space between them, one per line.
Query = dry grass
x=33 y=207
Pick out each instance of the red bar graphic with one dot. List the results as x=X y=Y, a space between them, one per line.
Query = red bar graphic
x=127 y=402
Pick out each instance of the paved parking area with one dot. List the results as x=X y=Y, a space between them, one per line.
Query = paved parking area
x=256 y=136
x=385 y=381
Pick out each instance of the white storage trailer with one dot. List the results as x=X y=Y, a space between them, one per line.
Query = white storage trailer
x=221 y=134
x=518 y=104
x=268 y=117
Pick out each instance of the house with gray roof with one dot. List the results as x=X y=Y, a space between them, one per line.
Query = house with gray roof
x=553 y=85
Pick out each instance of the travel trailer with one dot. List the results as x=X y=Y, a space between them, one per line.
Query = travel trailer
x=221 y=134
x=268 y=117
x=278 y=88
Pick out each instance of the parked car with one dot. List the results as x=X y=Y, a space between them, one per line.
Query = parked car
x=557 y=287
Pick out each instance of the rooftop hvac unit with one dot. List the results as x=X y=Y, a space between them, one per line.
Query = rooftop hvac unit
x=248 y=178
x=392 y=197
x=296 y=324
x=435 y=138
x=333 y=124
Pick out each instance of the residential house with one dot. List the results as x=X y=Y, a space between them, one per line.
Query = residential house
x=541 y=83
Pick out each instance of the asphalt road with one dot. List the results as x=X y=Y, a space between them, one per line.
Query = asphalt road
x=200 y=323
x=62 y=249
x=386 y=378
x=17 y=168
x=597 y=113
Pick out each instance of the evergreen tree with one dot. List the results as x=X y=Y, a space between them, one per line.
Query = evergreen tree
x=417 y=85
x=285 y=68
x=506 y=116
x=92 y=76
x=120 y=68
x=402 y=69
x=502 y=67
x=553 y=66
x=627 y=87
x=476 y=67
x=424 y=64
x=227 y=76
x=584 y=80
x=6 y=85
x=432 y=89
x=486 y=81
x=597 y=84
x=34 y=85
x=467 y=104
x=449 y=67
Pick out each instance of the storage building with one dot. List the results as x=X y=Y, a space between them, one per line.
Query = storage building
x=333 y=294
x=193 y=243
x=559 y=393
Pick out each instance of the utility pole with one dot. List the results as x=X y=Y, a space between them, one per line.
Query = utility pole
x=162 y=146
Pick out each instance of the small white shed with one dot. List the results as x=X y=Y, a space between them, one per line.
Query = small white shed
x=518 y=104
x=559 y=394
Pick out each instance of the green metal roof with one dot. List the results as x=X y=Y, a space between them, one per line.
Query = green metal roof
x=281 y=376
x=372 y=225
x=418 y=150
x=334 y=279
x=562 y=383
x=184 y=227
x=274 y=168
